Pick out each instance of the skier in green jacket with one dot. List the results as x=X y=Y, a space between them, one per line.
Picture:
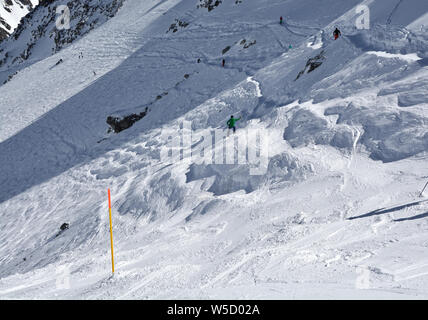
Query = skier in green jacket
x=231 y=123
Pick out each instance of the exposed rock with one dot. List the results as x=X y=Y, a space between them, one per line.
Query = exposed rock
x=117 y=124
x=10 y=77
x=312 y=64
x=39 y=26
x=11 y=7
x=249 y=44
x=64 y=226
x=209 y=4
x=178 y=23
x=225 y=50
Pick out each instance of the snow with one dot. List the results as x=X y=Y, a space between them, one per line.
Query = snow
x=335 y=212
x=411 y=57
x=17 y=11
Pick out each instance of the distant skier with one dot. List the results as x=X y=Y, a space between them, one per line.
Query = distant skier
x=336 y=34
x=280 y=20
x=231 y=123
x=223 y=62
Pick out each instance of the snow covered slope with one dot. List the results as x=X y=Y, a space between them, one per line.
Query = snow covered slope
x=336 y=214
x=11 y=13
x=38 y=37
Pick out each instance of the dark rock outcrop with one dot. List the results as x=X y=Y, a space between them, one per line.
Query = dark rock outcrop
x=209 y=4
x=312 y=64
x=177 y=24
x=9 y=5
x=39 y=26
x=118 y=124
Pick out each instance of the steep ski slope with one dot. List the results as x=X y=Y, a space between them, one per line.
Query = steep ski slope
x=38 y=35
x=11 y=13
x=339 y=200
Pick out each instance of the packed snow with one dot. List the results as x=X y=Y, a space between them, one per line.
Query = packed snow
x=333 y=208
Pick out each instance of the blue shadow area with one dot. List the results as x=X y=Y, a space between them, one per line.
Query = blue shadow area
x=384 y=210
x=419 y=216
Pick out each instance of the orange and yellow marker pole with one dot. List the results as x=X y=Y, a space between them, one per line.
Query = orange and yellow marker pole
x=111 y=231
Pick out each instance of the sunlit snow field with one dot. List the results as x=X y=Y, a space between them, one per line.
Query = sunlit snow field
x=337 y=214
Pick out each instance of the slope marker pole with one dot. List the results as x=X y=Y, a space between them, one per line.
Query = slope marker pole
x=111 y=231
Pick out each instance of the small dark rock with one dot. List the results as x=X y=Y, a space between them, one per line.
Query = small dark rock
x=247 y=45
x=64 y=226
x=209 y=4
x=178 y=23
